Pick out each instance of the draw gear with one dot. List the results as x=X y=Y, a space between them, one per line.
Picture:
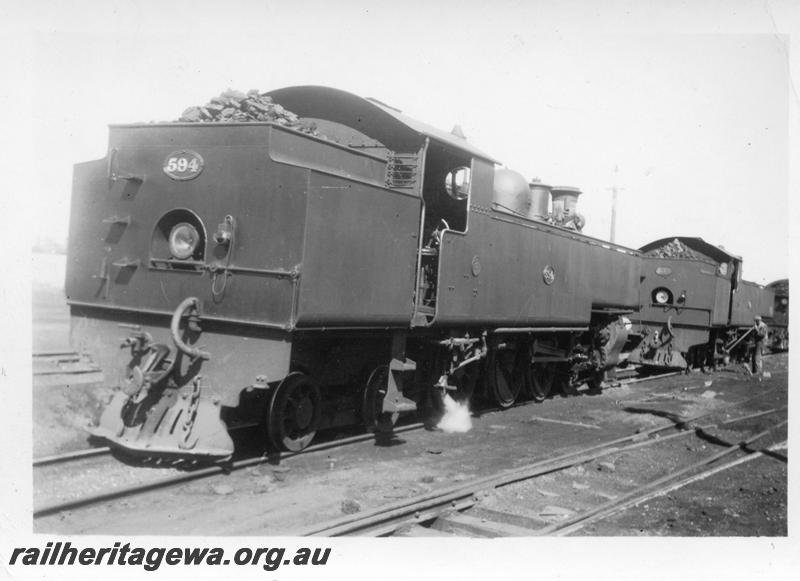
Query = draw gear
x=159 y=408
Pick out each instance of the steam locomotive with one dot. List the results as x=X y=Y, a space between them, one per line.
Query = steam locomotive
x=249 y=273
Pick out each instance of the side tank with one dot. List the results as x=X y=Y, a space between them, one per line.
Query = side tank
x=510 y=270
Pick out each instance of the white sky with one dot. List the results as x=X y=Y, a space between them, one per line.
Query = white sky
x=691 y=100
x=691 y=104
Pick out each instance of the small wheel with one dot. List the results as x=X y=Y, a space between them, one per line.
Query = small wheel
x=502 y=382
x=294 y=412
x=375 y=419
x=542 y=378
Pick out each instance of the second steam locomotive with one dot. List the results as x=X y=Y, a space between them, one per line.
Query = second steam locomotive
x=247 y=273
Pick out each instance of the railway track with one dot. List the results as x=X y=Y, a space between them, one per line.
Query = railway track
x=105 y=450
x=673 y=481
x=198 y=473
x=450 y=507
x=71 y=456
x=78 y=455
x=67 y=363
x=189 y=475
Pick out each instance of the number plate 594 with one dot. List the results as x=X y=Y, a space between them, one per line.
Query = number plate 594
x=183 y=165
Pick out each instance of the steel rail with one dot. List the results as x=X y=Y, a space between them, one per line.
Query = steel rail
x=771 y=451
x=383 y=520
x=66 y=372
x=227 y=468
x=458 y=505
x=754 y=415
x=622 y=382
x=645 y=491
x=80 y=454
x=70 y=456
x=202 y=473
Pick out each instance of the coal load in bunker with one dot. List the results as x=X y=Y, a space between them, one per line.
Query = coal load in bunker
x=304 y=259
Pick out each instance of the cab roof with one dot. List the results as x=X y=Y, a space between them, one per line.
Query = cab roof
x=383 y=123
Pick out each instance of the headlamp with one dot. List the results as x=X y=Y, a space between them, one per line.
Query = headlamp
x=183 y=240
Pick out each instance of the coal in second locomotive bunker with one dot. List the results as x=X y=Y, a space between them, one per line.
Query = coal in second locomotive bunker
x=306 y=258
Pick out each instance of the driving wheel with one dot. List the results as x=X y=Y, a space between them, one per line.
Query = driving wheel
x=542 y=378
x=502 y=382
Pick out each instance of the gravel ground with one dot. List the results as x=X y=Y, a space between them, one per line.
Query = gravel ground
x=283 y=497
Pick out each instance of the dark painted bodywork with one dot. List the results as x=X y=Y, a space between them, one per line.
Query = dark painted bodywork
x=319 y=241
x=510 y=287
x=322 y=240
x=751 y=300
x=780 y=314
x=706 y=292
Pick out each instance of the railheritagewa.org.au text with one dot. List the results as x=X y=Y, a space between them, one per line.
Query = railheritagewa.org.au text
x=153 y=558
